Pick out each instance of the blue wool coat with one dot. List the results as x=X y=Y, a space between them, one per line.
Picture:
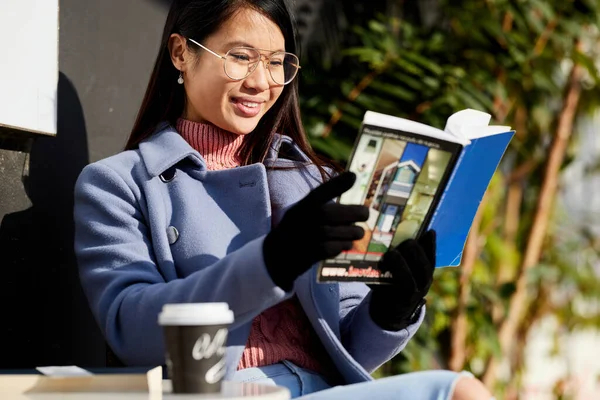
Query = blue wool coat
x=143 y=240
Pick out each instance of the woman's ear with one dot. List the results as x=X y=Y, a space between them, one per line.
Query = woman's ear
x=178 y=51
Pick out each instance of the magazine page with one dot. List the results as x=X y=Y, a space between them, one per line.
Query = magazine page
x=406 y=125
x=400 y=177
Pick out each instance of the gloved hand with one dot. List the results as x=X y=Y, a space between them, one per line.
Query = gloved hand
x=412 y=262
x=313 y=230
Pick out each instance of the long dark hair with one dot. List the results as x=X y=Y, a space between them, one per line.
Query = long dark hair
x=165 y=99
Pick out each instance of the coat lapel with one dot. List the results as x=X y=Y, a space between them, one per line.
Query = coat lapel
x=319 y=300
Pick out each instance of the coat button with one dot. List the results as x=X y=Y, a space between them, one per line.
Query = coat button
x=172 y=234
x=168 y=175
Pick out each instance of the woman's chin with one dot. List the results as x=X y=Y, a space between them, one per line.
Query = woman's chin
x=243 y=127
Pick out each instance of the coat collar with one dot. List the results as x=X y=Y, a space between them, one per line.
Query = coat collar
x=166 y=147
x=292 y=150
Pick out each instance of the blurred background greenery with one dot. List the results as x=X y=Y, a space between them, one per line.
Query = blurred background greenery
x=533 y=251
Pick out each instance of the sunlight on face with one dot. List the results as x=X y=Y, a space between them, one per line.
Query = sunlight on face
x=235 y=106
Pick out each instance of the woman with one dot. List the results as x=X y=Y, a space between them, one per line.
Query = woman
x=208 y=203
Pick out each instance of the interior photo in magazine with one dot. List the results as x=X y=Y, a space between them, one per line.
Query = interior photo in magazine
x=397 y=181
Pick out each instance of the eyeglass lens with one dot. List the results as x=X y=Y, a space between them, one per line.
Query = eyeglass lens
x=242 y=61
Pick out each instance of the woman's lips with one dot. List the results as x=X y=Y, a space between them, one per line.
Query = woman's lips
x=247 y=107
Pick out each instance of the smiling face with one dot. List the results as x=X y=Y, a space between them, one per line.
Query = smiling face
x=211 y=96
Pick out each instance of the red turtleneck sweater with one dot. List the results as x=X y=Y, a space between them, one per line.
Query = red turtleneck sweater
x=282 y=332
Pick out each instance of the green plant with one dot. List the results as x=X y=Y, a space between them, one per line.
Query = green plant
x=532 y=65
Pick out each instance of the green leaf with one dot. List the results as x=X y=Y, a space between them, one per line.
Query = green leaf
x=407 y=80
x=424 y=62
x=393 y=90
x=408 y=66
x=589 y=63
x=371 y=56
x=377 y=26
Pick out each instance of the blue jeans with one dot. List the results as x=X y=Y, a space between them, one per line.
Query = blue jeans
x=308 y=385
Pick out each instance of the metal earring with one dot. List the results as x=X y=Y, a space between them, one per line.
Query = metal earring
x=180 y=79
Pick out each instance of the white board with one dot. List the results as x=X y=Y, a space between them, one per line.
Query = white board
x=29 y=65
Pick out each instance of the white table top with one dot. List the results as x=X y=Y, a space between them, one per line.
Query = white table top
x=230 y=391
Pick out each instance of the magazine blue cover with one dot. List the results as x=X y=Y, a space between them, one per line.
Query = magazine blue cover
x=414 y=177
x=457 y=208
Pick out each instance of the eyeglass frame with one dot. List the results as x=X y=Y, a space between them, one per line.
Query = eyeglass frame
x=263 y=58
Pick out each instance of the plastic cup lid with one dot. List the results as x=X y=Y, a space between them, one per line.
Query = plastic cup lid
x=195 y=314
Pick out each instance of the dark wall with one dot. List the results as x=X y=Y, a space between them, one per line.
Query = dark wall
x=107 y=49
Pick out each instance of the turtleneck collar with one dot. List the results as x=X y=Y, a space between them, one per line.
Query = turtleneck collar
x=218 y=147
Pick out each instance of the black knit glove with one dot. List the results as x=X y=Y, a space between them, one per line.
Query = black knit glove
x=412 y=262
x=313 y=230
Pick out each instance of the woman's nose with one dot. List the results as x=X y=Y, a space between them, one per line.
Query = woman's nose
x=259 y=79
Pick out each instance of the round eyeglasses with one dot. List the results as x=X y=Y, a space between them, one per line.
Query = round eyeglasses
x=240 y=62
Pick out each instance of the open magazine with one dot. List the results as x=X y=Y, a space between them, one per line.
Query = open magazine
x=414 y=177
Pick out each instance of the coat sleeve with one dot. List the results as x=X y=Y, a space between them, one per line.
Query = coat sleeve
x=368 y=344
x=126 y=290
